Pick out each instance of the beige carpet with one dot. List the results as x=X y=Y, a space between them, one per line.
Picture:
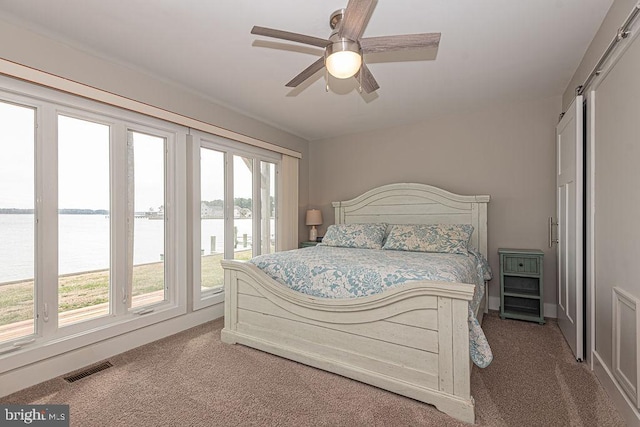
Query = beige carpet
x=192 y=379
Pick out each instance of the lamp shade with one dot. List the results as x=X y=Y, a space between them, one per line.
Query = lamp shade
x=343 y=58
x=314 y=217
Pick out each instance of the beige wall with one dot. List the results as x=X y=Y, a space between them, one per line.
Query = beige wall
x=506 y=152
x=30 y=49
x=607 y=31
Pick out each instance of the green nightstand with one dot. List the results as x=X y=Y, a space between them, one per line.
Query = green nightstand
x=521 y=284
x=307 y=244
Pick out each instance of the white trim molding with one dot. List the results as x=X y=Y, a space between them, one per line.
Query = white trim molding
x=629 y=380
x=625 y=407
x=22 y=72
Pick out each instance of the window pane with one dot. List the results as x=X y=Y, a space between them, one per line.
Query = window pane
x=212 y=218
x=242 y=206
x=268 y=207
x=17 y=225
x=83 y=220
x=147 y=231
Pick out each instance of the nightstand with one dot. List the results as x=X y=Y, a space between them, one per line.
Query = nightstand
x=307 y=244
x=521 y=284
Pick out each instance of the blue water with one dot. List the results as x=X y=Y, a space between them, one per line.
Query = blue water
x=84 y=243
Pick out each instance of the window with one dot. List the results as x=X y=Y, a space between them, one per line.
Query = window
x=94 y=225
x=93 y=237
x=83 y=220
x=235 y=207
x=268 y=207
x=17 y=221
x=243 y=212
x=212 y=208
x=147 y=228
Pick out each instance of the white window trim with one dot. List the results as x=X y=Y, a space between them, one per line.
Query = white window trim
x=32 y=75
x=198 y=140
x=49 y=340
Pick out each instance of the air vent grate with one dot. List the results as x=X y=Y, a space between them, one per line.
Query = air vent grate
x=89 y=371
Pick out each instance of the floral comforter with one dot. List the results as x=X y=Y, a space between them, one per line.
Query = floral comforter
x=336 y=272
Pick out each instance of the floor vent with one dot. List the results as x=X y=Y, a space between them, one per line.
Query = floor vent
x=89 y=371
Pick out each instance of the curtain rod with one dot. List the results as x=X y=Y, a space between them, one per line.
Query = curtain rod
x=622 y=33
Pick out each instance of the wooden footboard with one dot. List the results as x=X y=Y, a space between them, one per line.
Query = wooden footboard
x=412 y=340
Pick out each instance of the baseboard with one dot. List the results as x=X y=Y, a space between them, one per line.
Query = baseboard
x=550 y=310
x=35 y=373
x=622 y=403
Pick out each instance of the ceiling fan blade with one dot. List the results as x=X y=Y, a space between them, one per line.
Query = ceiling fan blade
x=355 y=19
x=286 y=35
x=369 y=84
x=401 y=42
x=306 y=73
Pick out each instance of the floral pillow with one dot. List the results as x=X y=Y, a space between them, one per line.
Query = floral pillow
x=362 y=236
x=445 y=238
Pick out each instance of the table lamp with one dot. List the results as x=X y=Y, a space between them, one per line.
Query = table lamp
x=314 y=217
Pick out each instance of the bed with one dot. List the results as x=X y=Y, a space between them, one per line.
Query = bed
x=411 y=339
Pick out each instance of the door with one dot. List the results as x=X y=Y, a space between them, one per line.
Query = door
x=569 y=180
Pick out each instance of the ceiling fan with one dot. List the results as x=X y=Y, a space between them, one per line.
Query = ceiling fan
x=343 y=50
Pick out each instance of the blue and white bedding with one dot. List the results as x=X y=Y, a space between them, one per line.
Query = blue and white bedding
x=339 y=272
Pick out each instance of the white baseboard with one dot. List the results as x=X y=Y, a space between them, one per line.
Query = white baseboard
x=550 y=310
x=35 y=373
x=624 y=406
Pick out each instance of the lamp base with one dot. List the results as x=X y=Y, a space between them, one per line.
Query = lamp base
x=313 y=234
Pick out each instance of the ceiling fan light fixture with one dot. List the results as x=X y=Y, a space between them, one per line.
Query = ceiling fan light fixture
x=343 y=59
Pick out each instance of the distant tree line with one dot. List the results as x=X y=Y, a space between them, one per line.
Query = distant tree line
x=60 y=211
x=241 y=202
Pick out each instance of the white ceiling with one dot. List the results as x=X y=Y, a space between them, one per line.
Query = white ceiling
x=492 y=51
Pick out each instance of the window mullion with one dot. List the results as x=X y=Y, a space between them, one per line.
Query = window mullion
x=256 y=217
x=118 y=220
x=194 y=160
x=228 y=207
x=47 y=229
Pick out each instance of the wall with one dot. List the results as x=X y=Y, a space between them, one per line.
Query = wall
x=33 y=50
x=506 y=152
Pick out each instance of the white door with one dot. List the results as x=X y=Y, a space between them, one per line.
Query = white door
x=569 y=182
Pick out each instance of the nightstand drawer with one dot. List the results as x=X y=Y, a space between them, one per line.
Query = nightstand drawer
x=521 y=264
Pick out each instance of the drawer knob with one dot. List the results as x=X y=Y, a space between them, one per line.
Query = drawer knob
x=521 y=265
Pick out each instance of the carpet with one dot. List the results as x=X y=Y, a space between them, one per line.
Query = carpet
x=193 y=379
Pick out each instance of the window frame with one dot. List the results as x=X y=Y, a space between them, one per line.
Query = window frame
x=49 y=340
x=196 y=141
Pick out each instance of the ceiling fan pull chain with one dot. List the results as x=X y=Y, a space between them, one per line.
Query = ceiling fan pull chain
x=360 y=77
x=326 y=78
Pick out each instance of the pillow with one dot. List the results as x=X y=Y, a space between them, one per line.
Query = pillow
x=445 y=238
x=362 y=236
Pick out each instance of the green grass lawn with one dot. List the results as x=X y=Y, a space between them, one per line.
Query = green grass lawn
x=87 y=289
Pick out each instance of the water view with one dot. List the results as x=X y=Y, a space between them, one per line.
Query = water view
x=80 y=231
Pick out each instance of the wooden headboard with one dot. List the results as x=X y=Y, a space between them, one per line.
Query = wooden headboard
x=407 y=203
